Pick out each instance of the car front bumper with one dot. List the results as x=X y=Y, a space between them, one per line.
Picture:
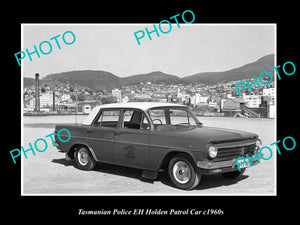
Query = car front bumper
x=210 y=167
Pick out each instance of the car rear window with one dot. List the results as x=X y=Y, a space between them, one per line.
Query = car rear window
x=108 y=118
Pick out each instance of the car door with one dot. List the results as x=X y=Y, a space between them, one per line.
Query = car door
x=102 y=132
x=131 y=139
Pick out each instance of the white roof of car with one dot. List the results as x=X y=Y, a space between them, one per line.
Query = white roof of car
x=137 y=105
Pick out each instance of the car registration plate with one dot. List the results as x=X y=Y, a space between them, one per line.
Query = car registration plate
x=244 y=165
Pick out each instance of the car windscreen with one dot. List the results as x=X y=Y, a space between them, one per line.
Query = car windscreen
x=164 y=117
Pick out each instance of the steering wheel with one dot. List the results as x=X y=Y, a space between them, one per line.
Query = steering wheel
x=158 y=120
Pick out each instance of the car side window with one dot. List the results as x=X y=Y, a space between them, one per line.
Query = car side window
x=135 y=119
x=128 y=116
x=145 y=123
x=108 y=118
x=158 y=116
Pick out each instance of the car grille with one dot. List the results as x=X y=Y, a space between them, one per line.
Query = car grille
x=230 y=152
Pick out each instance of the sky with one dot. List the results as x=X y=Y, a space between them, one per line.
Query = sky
x=184 y=51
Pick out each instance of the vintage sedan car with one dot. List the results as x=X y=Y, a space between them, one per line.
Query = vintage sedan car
x=157 y=136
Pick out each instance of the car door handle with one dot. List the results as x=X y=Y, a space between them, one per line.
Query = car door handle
x=117 y=132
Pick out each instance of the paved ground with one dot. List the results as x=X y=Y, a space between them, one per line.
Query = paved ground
x=49 y=173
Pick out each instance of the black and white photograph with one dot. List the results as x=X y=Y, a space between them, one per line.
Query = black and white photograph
x=155 y=115
x=145 y=112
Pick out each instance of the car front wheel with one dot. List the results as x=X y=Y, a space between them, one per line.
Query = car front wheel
x=84 y=160
x=183 y=173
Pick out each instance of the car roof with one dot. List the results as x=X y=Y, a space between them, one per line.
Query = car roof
x=136 y=105
x=140 y=105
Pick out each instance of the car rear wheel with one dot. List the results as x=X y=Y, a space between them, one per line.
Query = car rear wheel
x=183 y=173
x=84 y=159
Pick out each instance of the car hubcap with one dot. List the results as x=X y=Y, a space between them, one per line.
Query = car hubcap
x=83 y=156
x=181 y=172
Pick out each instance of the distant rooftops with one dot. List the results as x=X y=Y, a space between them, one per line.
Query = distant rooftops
x=237 y=100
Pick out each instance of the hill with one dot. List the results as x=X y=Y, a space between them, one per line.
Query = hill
x=86 y=78
x=243 y=72
x=27 y=81
x=154 y=77
x=103 y=79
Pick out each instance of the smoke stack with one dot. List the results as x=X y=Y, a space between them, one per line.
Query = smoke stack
x=37 y=93
x=53 y=107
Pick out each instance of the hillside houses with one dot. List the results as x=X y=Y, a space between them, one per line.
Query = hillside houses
x=220 y=97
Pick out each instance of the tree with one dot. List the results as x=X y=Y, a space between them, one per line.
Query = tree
x=107 y=100
x=80 y=97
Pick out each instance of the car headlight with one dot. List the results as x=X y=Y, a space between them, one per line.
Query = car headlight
x=212 y=151
x=258 y=144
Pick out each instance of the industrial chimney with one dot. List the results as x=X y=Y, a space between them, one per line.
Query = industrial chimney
x=37 y=93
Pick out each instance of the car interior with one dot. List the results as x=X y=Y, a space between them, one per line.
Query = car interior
x=133 y=119
x=137 y=121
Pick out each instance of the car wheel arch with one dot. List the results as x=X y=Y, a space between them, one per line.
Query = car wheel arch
x=165 y=161
x=76 y=146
